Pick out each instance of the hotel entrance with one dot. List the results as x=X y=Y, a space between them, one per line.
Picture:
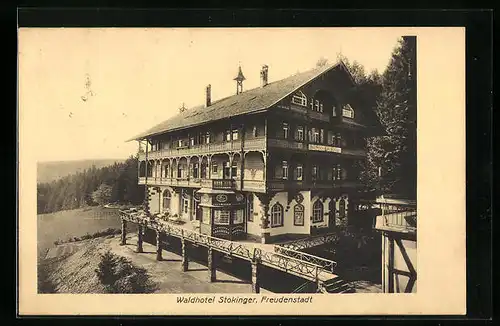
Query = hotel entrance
x=222 y=213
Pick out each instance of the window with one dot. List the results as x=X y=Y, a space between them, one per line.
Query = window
x=285 y=130
x=207 y=138
x=315 y=172
x=191 y=141
x=318 y=106
x=215 y=168
x=254 y=131
x=179 y=143
x=299 y=133
x=250 y=207
x=342 y=208
x=221 y=217
x=228 y=135
x=298 y=215
x=238 y=216
x=203 y=174
x=337 y=140
x=166 y=172
x=321 y=136
x=205 y=217
x=347 y=111
x=179 y=171
x=226 y=170
x=334 y=110
x=314 y=135
x=284 y=167
x=166 y=200
x=277 y=215
x=317 y=211
x=195 y=170
x=234 y=170
x=186 y=205
x=298 y=172
x=299 y=98
x=235 y=134
x=337 y=172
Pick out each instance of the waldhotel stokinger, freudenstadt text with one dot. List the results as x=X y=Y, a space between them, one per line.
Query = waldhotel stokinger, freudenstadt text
x=244 y=300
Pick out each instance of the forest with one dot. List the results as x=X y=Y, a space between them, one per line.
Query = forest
x=93 y=186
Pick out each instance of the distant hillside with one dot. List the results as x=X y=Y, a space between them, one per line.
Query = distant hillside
x=49 y=171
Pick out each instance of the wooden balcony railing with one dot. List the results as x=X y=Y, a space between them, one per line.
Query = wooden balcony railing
x=223 y=184
x=354 y=151
x=397 y=216
x=249 y=144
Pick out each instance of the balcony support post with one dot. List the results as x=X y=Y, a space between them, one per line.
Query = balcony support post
x=185 y=258
x=139 y=238
x=158 y=246
x=124 y=233
x=255 y=264
x=212 y=271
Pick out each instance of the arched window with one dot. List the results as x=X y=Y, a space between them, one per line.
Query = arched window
x=299 y=98
x=298 y=215
x=348 y=111
x=317 y=211
x=277 y=215
x=166 y=200
x=342 y=208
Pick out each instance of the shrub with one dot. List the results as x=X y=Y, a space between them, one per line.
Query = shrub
x=119 y=275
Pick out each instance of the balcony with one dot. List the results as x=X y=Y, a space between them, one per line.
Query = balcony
x=223 y=184
x=277 y=184
x=213 y=148
x=284 y=143
x=228 y=184
x=354 y=152
x=397 y=217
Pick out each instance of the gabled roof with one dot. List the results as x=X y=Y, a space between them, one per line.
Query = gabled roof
x=251 y=101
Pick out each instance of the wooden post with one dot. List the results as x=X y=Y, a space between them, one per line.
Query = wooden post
x=212 y=272
x=139 y=239
x=390 y=271
x=255 y=262
x=255 y=276
x=124 y=233
x=158 y=246
x=185 y=258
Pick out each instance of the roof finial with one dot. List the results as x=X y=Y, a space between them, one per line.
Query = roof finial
x=182 y=108
x=239 y=80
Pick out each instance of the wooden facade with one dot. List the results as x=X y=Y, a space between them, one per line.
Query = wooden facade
x=287 y=170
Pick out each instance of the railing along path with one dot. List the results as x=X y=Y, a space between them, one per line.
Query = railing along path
x=297 y=263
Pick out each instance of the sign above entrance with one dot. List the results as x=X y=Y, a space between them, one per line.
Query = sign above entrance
x=221 y=198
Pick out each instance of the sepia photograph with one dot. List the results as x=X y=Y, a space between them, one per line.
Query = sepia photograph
x=228 y=161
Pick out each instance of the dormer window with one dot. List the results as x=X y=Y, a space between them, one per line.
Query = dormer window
x=235 y=134
x=299 y=98
x=347 y=111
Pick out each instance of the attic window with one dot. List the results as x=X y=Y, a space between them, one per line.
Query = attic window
x=347 y=111
x=299 y=98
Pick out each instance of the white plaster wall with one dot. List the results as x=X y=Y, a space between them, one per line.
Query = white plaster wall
x=400 y=281
x=154 y=201
x=254 y=227
x=288 y=225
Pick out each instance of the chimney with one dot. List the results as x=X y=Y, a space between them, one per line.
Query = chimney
x=209 y=96
x=263 y=75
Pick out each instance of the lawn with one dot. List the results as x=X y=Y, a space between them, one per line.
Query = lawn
x=74 y=223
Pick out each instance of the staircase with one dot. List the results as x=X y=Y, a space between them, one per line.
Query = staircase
x=337 y=285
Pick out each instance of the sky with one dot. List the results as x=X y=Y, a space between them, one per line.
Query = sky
x=89 y=90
